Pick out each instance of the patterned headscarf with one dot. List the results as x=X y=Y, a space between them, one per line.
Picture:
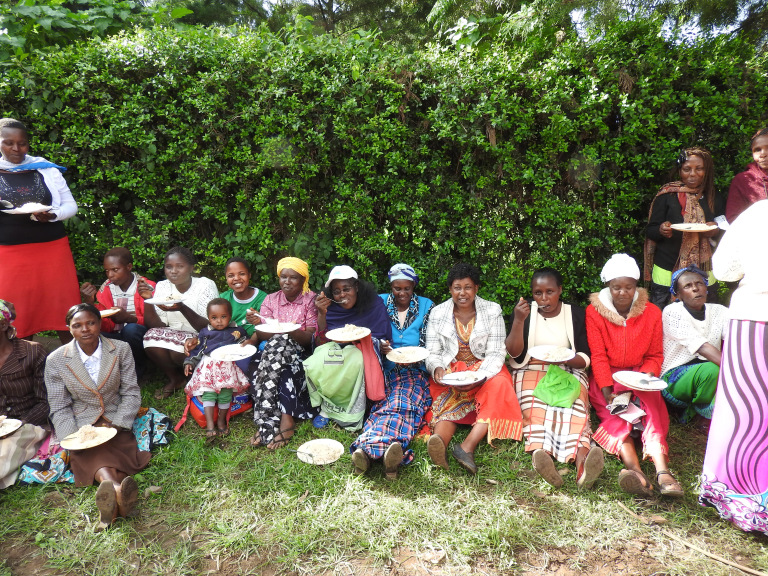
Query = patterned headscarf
x=297 y=265
x=5 y=311
x=403 y=272
x=677 y=273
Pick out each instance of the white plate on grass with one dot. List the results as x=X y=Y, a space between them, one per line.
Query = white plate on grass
x=9 y=426
x=552 y=354
x=29 y=208
x=350 y=333
x=693 y=227
x=461 y=379
x=639 y=381
x=233 y=352
x=320 y=451
x=163 y=301
x=88 y=437
x=277 y=327
x=110 y=312
x=408 y=355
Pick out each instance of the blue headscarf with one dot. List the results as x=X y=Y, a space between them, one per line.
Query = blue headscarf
x=403 y=272
x=678 y=273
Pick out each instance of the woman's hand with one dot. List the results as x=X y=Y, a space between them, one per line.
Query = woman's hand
x=713 y=232
x=144 y=289
x=88 y=292
x=439 y=373
x=251 y=318
x=123 y=317
x=171 y=307
x=665 y=229
x=385 y=347
x=522 y=310
x=189 y=345
x=187 y=369
x=322 y=302
x=44 y=216
x=608 y=394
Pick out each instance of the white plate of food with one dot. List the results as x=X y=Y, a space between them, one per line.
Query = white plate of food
x=110 y=311
x=693 y=227
x=408 y=355
x=320 y=451
x=233 y=352
x=461 y=379
x=277 y=327
x=88 y=437
x=639 y=381
x=551 y=354
x=164 y=301
x=29 y=208
x=350 y=333
x=8 y=426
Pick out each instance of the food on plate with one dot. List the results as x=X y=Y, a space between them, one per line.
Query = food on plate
x=557 y=354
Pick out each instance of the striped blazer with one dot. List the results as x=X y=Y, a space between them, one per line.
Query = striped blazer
x=75 y=399
x=486 y=341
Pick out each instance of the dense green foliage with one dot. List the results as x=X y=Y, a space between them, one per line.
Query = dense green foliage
x=264 y=145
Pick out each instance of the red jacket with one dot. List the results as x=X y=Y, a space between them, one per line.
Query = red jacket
x=636 y=343
x=104 y=300
x=746 y=188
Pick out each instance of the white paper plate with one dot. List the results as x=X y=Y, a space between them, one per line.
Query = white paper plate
x=632 y=379
x=349 y=333
x=101 y=435
x=461 y=378
x=233 y=352
x=29 y=208
x=320 y=451
x=408 y=355
x=551 y=354
x=109 y=312
x=163 y=301
x=693 y=227
x=9 y=426
x=278 y=328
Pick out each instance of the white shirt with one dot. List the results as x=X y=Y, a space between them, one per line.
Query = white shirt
x=196 y=297
x=92 y=363
x=684 y=335
x=125 y=299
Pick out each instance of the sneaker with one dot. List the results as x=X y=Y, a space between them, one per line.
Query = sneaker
x=320 y=421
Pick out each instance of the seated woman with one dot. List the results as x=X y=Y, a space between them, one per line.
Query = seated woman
x=395 y=420
x=340 y=377
x=560 y=431
x=170 y=326
x=279 y=385
x=466 y=333
x=693 y=336
x=691 y=200
x=241 y=294
x=92 y=381
x=22 y=396
x=624 y=333
x=121 y=290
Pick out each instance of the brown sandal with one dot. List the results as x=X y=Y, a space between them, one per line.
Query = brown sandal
x=635 y=483
x=673 y=488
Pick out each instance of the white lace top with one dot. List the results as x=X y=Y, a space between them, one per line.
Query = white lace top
x=196 y=297
x=684 y=335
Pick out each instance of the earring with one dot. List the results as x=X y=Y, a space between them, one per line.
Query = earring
x=11 y=332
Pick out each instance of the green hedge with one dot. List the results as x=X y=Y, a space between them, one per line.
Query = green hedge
x=347 y=151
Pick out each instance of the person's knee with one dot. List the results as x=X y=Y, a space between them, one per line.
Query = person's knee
x=133 y=333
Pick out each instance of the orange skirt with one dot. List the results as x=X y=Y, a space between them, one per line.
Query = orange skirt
x=41 y=281
x=494 y=402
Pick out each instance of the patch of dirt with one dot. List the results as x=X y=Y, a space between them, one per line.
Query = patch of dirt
x=24 y=559
x=631 y=558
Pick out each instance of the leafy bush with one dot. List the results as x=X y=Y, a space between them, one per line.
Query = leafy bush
x=263 y=145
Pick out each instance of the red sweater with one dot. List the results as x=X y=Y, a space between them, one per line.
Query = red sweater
x=746 y=188
x=614 y=346
x=104 y=300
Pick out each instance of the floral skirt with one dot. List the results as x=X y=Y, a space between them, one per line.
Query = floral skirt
x=212 y=375
x=167 y=338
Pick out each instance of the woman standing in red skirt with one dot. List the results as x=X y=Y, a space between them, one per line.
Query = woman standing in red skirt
x=36 y=241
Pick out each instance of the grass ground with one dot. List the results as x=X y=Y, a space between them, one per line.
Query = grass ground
x=235 y=510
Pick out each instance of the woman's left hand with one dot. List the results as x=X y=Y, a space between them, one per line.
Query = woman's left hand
x=171 y=307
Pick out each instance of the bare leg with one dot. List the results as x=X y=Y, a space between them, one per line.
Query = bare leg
x=221 y=421
x=111 y=474
x=445 y=429
x=628 y=456
x=210 y=429
x=478 y=432
x=581 y=455
x=666 y=481
x=287 y=424
x=170 y=363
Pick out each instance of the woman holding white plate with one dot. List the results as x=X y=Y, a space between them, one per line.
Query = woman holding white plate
x=279 y=387
x=625 y=334
x=170 y=325
x=465 y=339
x=690 y=201
x=553 y=392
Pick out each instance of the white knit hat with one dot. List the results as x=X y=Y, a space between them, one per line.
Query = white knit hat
x=619 y=266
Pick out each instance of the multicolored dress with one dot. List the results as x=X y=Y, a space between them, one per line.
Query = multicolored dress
x=398 y=416
x=213 y=375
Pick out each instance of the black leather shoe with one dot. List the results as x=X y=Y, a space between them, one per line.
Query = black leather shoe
x=465 y=459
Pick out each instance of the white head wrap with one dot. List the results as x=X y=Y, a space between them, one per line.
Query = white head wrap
x=619 y=266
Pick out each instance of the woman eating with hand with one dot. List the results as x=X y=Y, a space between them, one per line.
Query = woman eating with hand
x=466 y=334
x=693 y=336
x=28 y=241
x=279 y=387
x=341 y=376
x=22 y=397
x=92 y=382
x=624 y=333
x=554 y=397
x=395 y=420
x=691 y=200
x=171 y=325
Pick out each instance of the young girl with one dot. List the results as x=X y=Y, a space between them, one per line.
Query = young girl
x=216 y=381
x=241 y=294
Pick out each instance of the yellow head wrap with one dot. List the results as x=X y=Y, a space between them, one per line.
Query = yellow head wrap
x=297 y=265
